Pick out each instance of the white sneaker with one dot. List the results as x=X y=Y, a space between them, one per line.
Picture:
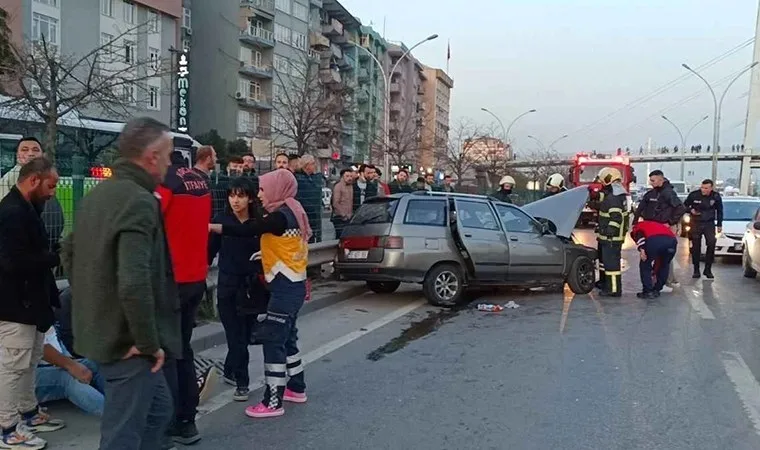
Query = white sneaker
x=667 y=289
x=22 y=438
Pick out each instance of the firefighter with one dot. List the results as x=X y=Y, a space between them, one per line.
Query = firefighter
x=504 y=193
x=612 y=230
x=554 y=185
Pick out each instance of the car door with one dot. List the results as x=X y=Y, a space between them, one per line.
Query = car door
x=533 y=254
x=483 y=238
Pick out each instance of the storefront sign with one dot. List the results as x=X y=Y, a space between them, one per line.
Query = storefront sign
x=183 y=84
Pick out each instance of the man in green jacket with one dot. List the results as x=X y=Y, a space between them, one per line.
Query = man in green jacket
x=125 y=309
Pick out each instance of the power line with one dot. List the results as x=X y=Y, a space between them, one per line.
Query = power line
x=643 y=99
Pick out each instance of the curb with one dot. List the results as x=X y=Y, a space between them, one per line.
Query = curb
x=212 y=334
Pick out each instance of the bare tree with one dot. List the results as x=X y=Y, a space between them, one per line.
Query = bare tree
x=552 y=163
x=109 y=80
x=309 y=102
x=458 y=156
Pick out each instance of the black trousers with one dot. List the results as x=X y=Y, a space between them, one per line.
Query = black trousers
x=706 y=229
x=612 y=277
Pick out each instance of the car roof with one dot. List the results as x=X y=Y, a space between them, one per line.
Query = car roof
x=740 y=198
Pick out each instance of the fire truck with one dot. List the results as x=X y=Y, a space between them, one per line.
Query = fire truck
x=585 y=169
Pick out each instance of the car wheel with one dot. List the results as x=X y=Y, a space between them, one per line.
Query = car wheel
x=444 y=285
x=383 y=287
x=582 y=275
x=749 y=272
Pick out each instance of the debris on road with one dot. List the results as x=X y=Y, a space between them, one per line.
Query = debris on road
x=487 y=307
x=511 y=305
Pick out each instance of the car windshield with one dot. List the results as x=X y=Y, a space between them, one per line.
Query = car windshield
x=588 y=173
x=376 y=211
x=739 y=211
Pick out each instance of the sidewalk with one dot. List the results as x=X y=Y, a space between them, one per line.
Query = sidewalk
x=82 y=431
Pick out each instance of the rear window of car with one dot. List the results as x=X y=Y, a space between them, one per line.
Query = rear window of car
x=426 y=212
x=376 y=211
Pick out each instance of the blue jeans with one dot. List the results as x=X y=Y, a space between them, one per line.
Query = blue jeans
x=279 y=337
x=55 y=383
x=660 y=249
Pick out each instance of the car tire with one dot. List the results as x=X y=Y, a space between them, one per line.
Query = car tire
x=444 y=285
x=383 y=287
x=582 y=276
x=749 y=272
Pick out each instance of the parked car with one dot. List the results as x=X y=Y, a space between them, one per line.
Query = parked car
x=739 y=212
x=449 y=242
x=751 y=250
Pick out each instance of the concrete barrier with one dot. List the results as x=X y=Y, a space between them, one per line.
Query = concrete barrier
x=319 y=254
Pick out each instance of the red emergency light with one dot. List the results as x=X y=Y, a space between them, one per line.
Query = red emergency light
x=100 y=172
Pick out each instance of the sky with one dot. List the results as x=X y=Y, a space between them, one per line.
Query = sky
x=582 y=63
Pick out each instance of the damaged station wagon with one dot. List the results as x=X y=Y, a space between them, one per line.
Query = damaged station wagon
x=448 y=242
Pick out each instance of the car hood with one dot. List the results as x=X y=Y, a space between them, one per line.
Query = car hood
x=736 y=227
x=562 y=209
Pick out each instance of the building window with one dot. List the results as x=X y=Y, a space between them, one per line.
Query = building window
x=130 y=51
x=128 y=94
x=244 y=119
x=154 y=98
x=245 y=54
x=106 y=43
x=281 y=64
x=53 y=3
x=45 y=26
x=254 y=90
x=155 y=58
x=129 y=12
x=283 y=5
x=300 y=11
x=300 y=41
x=186 y=18
x=282 y=33
x=106 y=7
x=153 y=22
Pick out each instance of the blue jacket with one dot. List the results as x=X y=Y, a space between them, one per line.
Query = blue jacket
x=234 y=252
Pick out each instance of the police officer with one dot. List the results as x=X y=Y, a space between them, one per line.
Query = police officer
x=612 y=230
x=706 y=208
x=554 y=185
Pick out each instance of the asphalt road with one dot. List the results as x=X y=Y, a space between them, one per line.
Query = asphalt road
x=560 y=372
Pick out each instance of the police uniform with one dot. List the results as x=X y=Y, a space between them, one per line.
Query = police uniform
x=709 y=210
x=612 y=229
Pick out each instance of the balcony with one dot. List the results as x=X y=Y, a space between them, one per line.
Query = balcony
x=318 y=41
x=363 y=75
x=252 y=131
x=260 y=6
x=256 y=71
x=317 y=3
x=348 y=152
x=333 y=52
x=420 y=90
x=332 y=28
x=396 y=107
x=257 y=36
x=256 y=101
x=395 y=88
x=347 y=62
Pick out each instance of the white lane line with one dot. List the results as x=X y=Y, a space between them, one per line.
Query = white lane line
x=694 y=296
x=225 y=397
x=745 y=385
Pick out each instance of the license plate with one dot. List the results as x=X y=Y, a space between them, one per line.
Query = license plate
x=357 y=254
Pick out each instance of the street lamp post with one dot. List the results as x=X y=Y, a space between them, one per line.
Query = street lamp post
x=538 y=141
x=683 y=142
x=501 y=124
x=386 y=142
x=509 y=128
x=717 y=107
x=551 y=146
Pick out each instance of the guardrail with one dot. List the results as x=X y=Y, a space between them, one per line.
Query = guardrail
x=319 y=253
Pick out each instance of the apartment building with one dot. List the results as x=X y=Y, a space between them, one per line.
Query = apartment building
x=436 y=97
x=370 y=94
x=138 y=31
x=406 y=107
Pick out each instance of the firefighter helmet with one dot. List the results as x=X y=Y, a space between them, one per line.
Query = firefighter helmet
x=609 y=175
x=555 y=181
x=506 y=179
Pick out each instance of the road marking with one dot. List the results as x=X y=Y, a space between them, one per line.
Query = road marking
x=694 y=296
x=225 y=397
x=745 y=385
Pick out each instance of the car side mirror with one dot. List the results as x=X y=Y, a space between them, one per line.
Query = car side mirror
x=756 y=226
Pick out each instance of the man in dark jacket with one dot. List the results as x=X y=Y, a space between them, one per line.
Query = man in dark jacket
x=26 y=309
x=126 y=311
x=365 y=186
x=400 y=183
x=310 y=184
x=661 y=204
x=706 y=208
x=504 y=193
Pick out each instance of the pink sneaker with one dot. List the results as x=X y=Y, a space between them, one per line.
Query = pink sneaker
x=261 y=410
x=294 y=397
